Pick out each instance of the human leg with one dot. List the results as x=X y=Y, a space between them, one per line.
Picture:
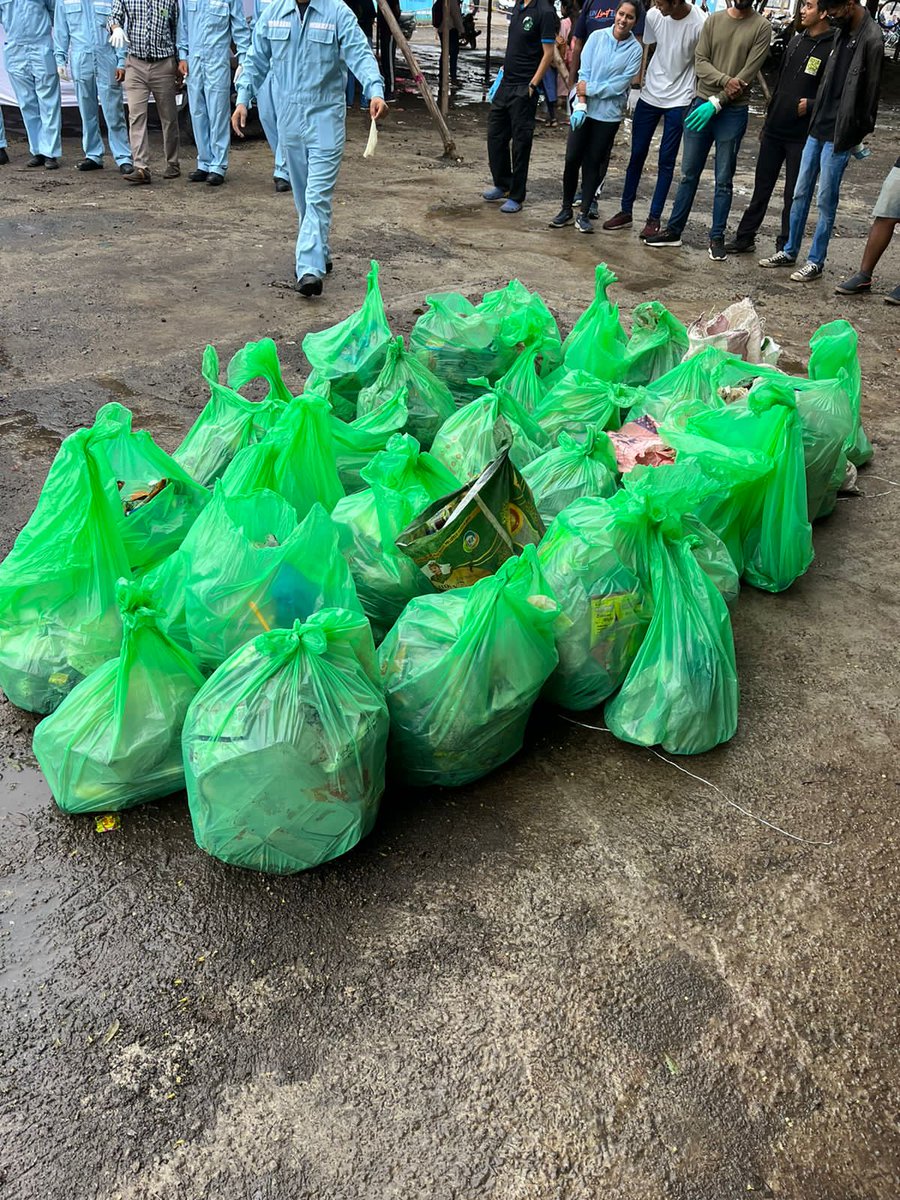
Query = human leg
x=673 y=129
x=831 y=172
x=22 y=79
x=523 y=110
x=643 y=126
x=803 y=193
x=162 y=82
x=792 y=157
x=768 y=167
x=196 y=89
x=217 y=78
x=137 y=94
x=601 y=136
x=89 y=109
x=576 y=146
x=696 y=147
x=499 y=135
x=110 y=95
x=268 y=115
x=46 y=84
x=729 y=127
x=322 y=167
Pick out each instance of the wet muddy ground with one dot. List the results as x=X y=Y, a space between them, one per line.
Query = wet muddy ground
x=588 y=975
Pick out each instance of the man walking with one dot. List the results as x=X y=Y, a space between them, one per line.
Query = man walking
x=529 y=54
x=81 y=45
x=845 y=111
x=206 y=29
x=309 y=45
x=787 y=124
x=32 y=72
x=732 y=47
x=673 y=29
x=267 y=106
x=149 y=28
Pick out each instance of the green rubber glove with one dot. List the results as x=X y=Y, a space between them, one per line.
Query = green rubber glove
x=701 y=116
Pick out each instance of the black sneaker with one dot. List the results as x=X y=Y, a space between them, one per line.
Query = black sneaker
x=36 y=160
x=740 y=246
x=666 y=237
x=281 y=185
x=583 y=225
x=51 y=164
x=127 y=168
x=594 y=210
x=717 y=251
x=89 y=164
x=214 y=179
x=308 y=286
x=198 y=176
x=565 y=216
x=857 y=285
x=4 y=157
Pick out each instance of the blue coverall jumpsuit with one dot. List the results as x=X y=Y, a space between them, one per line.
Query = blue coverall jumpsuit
x=206 y=30
x=80 y=34
x=32 y=71
x=309 y=56
x=267 y=105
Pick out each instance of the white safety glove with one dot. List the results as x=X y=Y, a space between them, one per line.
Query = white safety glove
x=372 y=142
x=62 y=72
x=634 y=94
x=239 y=72
x=117 y=38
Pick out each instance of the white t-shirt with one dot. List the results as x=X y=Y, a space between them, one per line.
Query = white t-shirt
x=669 y=82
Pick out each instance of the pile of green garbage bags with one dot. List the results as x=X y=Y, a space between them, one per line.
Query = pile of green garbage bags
x=382 y=571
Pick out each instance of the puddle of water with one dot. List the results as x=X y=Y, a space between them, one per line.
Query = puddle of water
x=23 y=792
x=115 y=386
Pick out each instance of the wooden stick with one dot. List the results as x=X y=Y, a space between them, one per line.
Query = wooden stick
x=406 y=50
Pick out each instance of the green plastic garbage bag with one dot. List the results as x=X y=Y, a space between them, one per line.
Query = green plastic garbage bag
x=226 y=424
x=357 y=442
x=462 y=670
x=658 y=343
x=429 y=400
x=571 y=470
x=58 y=615
x=597 y=341
x=689 y=388
x=352 y=353
x=297 y=460
x=523 y=382
x=833 y=348
x=259 y=360
x=402 y=481
x=476 y=434
x=460 y=343
x=159 y=501
x=525 y=320
x=681 y=691
x=284 y=747
x=115 y=740
x=590 y=559
x=579 y=401
x=246 y=566
x=341 y=408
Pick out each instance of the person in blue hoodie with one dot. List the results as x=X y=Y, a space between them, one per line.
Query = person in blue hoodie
x=609 y=62
x=309 y=46
x=32 y=71
x=81 y=46
x=206 y=29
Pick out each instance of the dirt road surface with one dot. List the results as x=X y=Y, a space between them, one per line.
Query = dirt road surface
x=588 y=975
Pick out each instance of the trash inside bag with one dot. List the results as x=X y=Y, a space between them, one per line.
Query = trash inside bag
x=737 y=330
x=459 y=343
x=465 y=536
x=525 y=320
x=689 y=388
x=523 y=382
x=351 y=353
x=476 y=434
x=571 y=470
x=578 y=401
x=462 y=670
x=115 y=740
x=226 y=424
x=833 y=348
x=658 y=342
x=597 y=341
x=638 y=443
x=297 y=460
x=402 y=482
x=284 y=747
x=428 y=400
x=248 y=566
x=357 y=442
x=590 y=560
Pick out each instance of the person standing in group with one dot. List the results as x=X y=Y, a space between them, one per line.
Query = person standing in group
x=786 y=125
x=510 y=133
x=81 y=45
x=365 y=13
x=149 y=30
x=608 y=65
x=4 y=157
x=387 y=52
x=206 y=29
x=886 y=215
x=454 y=33
x=267 y=105
x=32 y=72
x=844 y=112
x=731 y=49
x=309 y=46
x=673 y=30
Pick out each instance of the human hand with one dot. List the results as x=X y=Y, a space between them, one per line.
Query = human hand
x=700 y=117
x=802 y=108
x=183 y=68
x=117 y=38
x=377 y=108
x=239 y=119
x=734 y=87
x=120 y=74
x=62 y=72
x=579 y=114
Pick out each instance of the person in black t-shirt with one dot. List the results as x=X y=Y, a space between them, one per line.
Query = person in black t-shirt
x=787 y=124
x=529 y=54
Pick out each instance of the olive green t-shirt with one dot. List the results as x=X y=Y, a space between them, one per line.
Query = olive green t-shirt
x=730 y=49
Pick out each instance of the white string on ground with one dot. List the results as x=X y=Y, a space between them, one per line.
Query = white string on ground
x=795 y=837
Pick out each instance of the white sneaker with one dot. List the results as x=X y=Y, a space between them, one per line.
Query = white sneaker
x=805 y=274
x=779 y=259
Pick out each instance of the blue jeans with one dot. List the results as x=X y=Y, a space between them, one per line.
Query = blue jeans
x=820 y=162
x=726 y=130
x=643 y=126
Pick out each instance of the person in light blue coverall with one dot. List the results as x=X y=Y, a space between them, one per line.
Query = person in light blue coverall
x=4 y=157
x=206 y=29
x=309 y=45
x=32 y=71
x=268 y=113
x=81 y=38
